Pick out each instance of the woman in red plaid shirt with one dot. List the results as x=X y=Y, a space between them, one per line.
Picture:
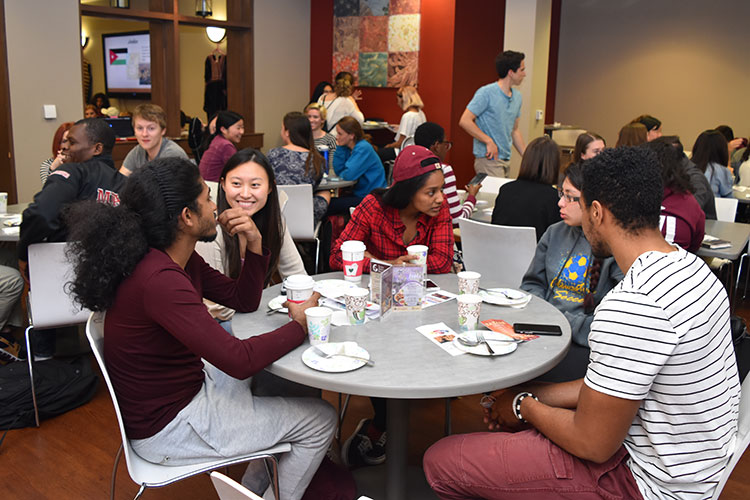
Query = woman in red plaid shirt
x=413 y=211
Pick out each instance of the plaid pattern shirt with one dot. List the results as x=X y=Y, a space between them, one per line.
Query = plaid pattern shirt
x=380 y=228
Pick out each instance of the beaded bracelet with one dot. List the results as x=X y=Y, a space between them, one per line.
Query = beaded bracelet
x=517 y=404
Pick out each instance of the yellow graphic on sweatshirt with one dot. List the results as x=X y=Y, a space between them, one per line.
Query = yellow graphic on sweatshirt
x=571 y=285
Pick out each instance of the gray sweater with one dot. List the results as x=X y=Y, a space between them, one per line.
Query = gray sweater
x=558 y=274
x=136 y=157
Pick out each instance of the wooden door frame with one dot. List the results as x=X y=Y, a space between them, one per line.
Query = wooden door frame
x=7 y=158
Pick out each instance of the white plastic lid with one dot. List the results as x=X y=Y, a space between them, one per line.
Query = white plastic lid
x=299 y=282
x=353 y=246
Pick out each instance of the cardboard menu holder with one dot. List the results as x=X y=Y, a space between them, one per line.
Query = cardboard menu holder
x=408 y=287
x=381 y=285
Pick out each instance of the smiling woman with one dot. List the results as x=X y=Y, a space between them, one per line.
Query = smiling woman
x=247 y=185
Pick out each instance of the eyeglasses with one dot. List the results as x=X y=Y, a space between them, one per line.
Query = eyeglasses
x=448 y=144
x=568 y=198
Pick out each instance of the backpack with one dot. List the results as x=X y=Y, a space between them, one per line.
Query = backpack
x=60 y=387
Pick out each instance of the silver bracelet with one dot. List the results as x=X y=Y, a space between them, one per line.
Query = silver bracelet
x=517 y=404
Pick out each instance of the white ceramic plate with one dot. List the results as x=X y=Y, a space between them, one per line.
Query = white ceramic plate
x=275 y=304
x=500 y=348
x=505 y=297
x=481 y=203
x=335 y=364
x=334 y=289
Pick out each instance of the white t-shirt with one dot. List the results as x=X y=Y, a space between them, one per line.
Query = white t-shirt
x=409 y=123
x=337 y=109
x=662 y=336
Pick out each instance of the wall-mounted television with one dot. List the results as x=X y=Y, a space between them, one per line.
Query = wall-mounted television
x=127 y=64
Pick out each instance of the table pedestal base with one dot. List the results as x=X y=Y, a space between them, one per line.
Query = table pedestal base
x=371 y=482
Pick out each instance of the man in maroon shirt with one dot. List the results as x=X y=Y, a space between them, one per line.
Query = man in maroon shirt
x=181 y=379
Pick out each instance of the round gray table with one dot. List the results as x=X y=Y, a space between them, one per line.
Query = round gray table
x=409 y=366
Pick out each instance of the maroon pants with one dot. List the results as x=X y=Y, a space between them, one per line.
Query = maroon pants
x=522 y=465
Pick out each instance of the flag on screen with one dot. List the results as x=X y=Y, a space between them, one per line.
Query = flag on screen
x=118 y=56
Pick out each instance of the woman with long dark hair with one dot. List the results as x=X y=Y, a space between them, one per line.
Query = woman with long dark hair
x=412 y=211
x=247 y=181
x=682 y=220
x=229 y=130
x=588 y=145
x=632 y=134
x=180 y=378
x=531 y=200
x=711 y=156
x=298 y=161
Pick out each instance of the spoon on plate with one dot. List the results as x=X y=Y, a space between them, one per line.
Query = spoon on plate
x=320 y=352
x=473 y=343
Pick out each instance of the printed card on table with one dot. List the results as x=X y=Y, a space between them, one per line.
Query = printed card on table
x=435 y=298
x=381 y=285
x=442 y=335
x=501 y=326
x=408 y=287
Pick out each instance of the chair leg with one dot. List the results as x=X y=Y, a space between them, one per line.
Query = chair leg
x=273 y=474
x=140 y=492
x=30 y=358
x=114 y=474
x=317 y=255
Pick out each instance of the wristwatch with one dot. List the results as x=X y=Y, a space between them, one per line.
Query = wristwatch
x=517 y=404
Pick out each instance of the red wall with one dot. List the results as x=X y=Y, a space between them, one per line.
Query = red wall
x=458 y=44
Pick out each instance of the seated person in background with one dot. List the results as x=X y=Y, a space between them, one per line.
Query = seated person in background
x=317 y=116
x=150 y=125
x=632 y=134
x=340 y=104
x=100 y=101
x=410 y=212
x=87 y=174
x=564 y=271
x=656 y=414
x=409 y=101
x=531 y=200
x=158 y=331
x=229 y=129
x=682 y=221
x=298 y=161
x=699 y=185
x=247 y=185
x=653 y=127
x=355 y=160
x=588 y=145
x=743 y=171
x=89 y=111
x=711 y=156
x=59 y=146
x=320 y=89
x=11 y=288
x=432 y=136
x=733 y=143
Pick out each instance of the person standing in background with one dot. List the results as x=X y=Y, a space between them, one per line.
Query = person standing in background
x=491 y=117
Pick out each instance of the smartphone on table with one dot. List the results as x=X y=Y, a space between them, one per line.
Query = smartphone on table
x=477 y=179
x=536 y=329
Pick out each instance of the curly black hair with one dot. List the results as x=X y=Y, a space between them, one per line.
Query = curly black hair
x=627 y=181
x=106 y=242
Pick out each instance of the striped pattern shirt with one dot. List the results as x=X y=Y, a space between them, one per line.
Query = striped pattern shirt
x=662 y=336
x=458 y=210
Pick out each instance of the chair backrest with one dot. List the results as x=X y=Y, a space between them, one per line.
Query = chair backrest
x=229 y=489
x=298 y=211
x=49 y=272
x=726 y=209
x=500 y=253
x=409 y=141
x=742 y=440
x=213 y=189
x=491 y=185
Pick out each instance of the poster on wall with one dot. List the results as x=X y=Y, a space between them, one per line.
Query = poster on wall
x=377 y=41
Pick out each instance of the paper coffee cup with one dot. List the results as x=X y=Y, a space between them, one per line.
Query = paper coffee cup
x=421 y=251
x=469 y=307
x=353 y=257
x=318 y=324
x=356 y=305
x=299 y=288
x=3 y=203
x=468 y=282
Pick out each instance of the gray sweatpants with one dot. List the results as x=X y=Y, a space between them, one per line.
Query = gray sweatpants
x=224 y=419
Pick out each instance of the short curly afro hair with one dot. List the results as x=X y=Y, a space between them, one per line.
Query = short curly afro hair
x=627 y=181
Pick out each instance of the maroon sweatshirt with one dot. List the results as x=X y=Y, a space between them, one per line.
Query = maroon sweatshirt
x=158 y=329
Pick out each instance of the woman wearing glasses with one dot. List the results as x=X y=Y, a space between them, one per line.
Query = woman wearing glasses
x=531 y=200
x=564 y=271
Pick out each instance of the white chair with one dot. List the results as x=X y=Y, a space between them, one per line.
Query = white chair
x=726 y=209
x=298 y=212
x=150 y=475
x=743 y=437
x=229 y=489
x=501 y=253
x=491 y=185
x=49 y=304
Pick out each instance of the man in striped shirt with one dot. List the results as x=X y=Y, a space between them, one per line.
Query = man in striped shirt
x=656 y=414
